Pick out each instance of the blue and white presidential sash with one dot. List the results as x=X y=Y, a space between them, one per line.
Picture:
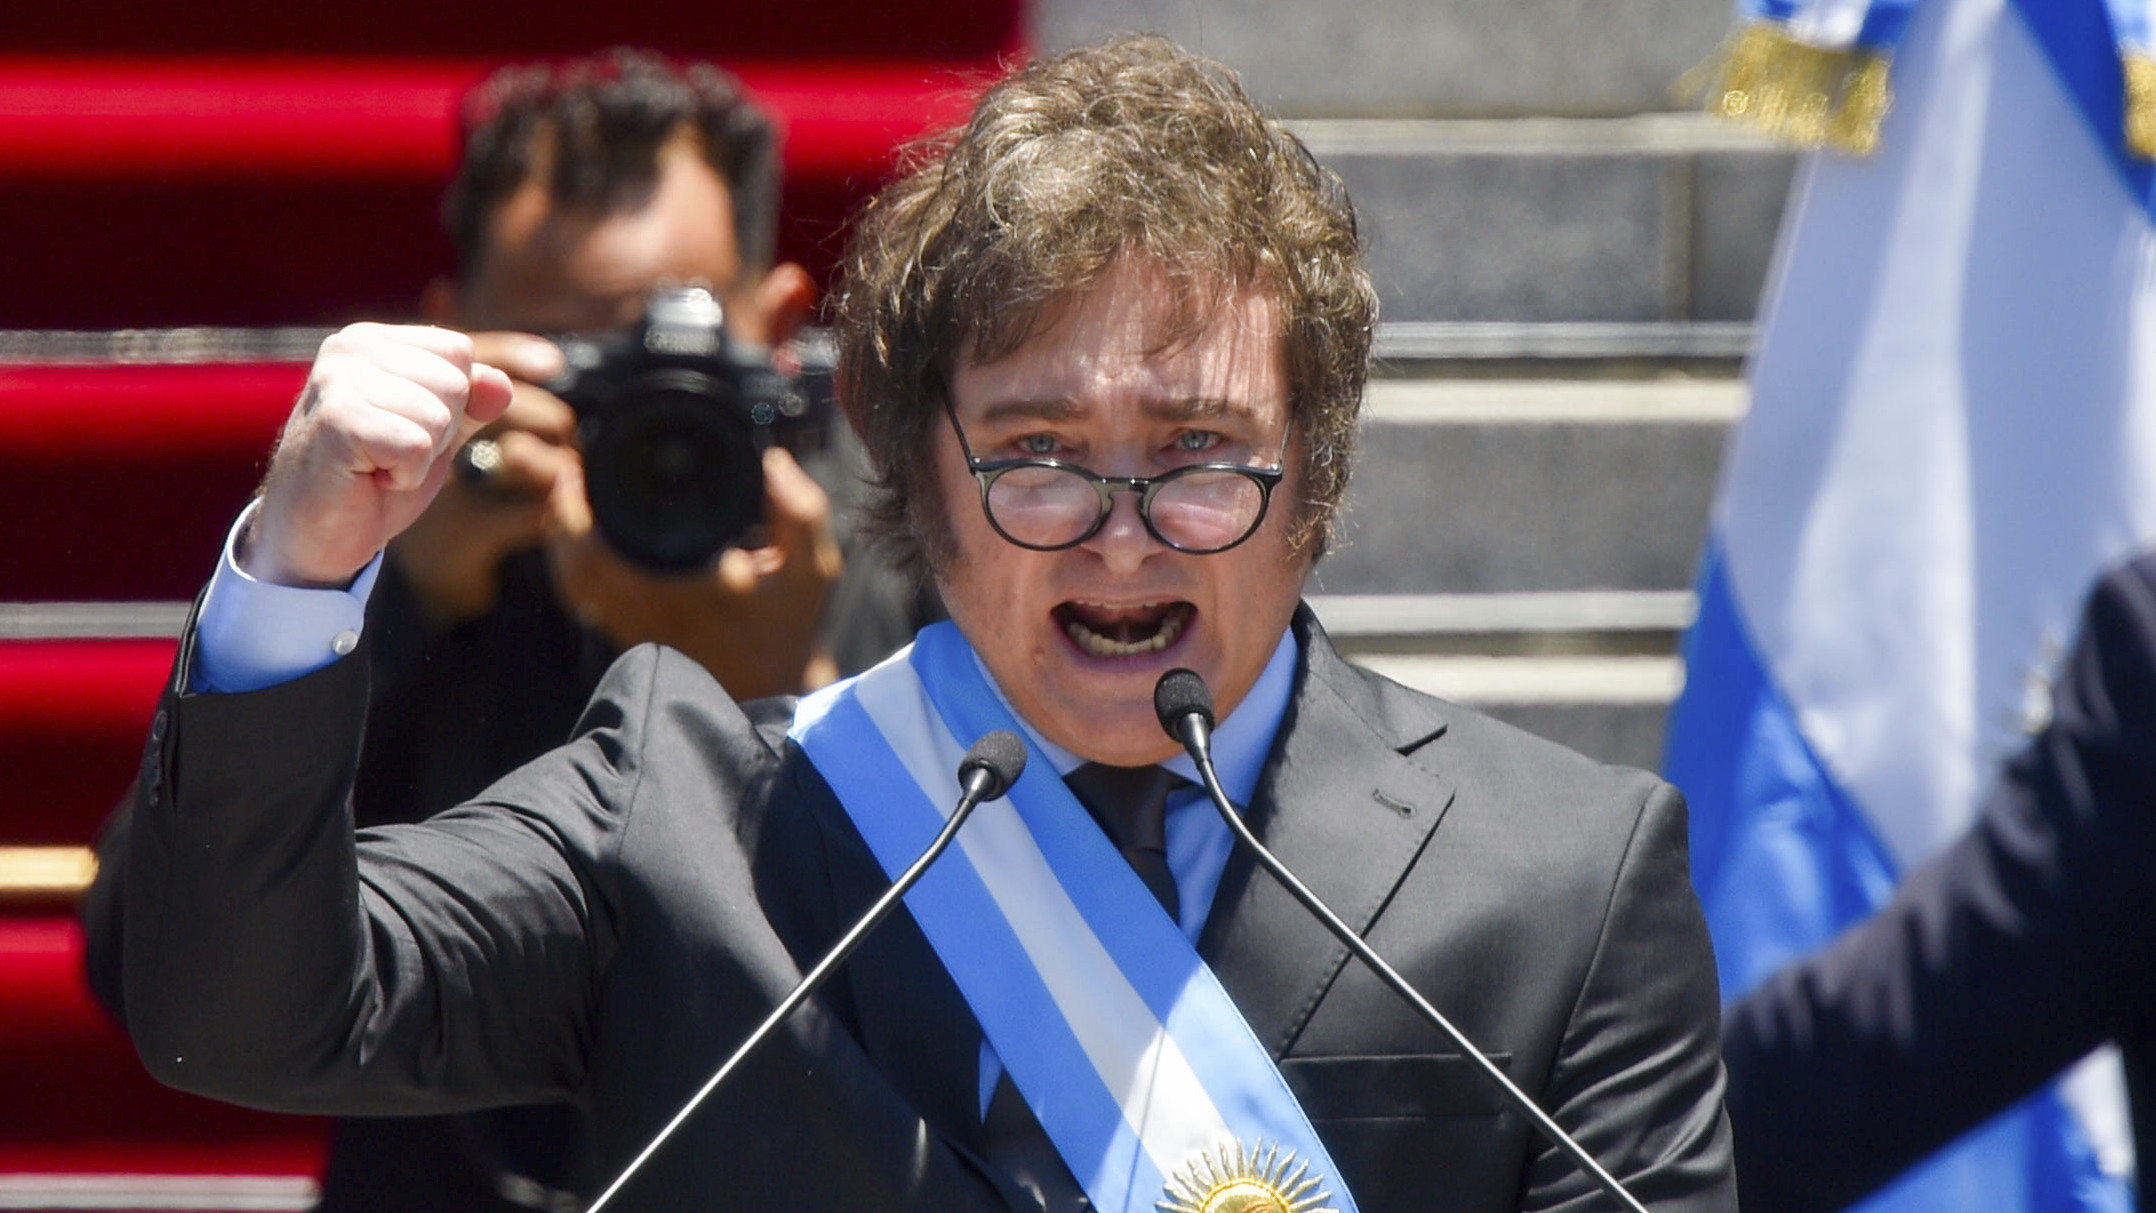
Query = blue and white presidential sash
x=1121 y=1040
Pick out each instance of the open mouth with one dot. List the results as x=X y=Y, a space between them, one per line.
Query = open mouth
x=1124 y=631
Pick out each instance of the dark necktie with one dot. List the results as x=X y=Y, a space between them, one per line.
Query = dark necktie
x=1131 y=805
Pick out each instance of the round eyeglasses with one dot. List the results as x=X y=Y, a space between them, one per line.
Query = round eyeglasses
x=1048 y=505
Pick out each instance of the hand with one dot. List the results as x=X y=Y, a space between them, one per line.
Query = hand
x=451 y=556
x=366 y=448
x=750 y=619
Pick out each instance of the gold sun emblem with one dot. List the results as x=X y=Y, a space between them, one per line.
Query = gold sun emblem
x=1235 y=1180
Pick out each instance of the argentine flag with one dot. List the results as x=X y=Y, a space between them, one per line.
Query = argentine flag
x=1952 y=432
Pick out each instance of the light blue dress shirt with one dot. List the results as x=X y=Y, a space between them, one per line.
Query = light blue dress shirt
x=254 y=634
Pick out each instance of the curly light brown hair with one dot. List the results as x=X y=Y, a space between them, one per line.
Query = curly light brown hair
x=1132 y=148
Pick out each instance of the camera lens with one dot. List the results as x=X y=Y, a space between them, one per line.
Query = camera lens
x=673 y=472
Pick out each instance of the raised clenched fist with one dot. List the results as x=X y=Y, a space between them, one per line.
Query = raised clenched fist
x=366 y=448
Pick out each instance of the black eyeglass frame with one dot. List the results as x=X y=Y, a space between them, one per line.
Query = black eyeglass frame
x=988 y=471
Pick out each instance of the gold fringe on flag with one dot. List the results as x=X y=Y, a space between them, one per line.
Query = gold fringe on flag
x=2140 y=103
x=1811 y=96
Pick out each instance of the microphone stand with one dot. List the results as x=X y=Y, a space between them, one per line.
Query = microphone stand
x=989 y=769
x=1192 y=727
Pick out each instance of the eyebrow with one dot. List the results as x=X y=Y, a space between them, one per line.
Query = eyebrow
x=1185 y=408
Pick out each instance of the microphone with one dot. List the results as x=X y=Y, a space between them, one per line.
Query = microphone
x=1185 y=707
x=986 y=772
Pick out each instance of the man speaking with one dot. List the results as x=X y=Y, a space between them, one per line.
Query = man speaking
x=1105 y=346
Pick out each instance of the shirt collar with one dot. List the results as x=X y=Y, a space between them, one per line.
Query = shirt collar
x=1240 y=742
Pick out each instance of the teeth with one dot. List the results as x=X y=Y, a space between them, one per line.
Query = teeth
x=1093 y=642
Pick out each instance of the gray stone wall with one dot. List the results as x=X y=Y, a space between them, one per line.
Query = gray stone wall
x=1424 y=58
x=1666 y=217
x=1517 y=161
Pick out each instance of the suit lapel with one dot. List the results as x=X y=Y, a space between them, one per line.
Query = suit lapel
x=1346 y=803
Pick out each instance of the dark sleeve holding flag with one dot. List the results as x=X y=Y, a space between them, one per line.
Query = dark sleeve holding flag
x=2026 y=944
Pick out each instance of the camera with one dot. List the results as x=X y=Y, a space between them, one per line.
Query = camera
x=673 y=418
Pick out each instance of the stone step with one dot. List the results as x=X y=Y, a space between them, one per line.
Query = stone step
x=1567 y=349
x=1576 y=623
x=92 y=620
x=1611 y=708
x=1614 y=708
x=1629 y=733
x=1593 y=670
x=1657 y=217
x=1479 y=486
x=1419 y=58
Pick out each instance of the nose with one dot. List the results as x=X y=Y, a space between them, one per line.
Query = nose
x=1123 y=542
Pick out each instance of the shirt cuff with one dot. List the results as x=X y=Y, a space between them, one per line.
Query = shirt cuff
x=254 y=634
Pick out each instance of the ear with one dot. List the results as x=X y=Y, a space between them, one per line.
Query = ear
x=787 y=298
x=438 y=302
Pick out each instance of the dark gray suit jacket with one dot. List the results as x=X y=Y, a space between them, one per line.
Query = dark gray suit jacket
x=605 y=924
x=2004 y=959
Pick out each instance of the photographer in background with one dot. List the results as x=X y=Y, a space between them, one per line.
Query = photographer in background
x=584 y=187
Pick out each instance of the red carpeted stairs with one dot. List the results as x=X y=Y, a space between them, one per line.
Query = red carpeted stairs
x=168 y=166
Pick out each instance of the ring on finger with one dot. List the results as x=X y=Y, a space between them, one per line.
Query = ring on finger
x=480 y=464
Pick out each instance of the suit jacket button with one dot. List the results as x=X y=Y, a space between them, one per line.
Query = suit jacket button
x=160 y=725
